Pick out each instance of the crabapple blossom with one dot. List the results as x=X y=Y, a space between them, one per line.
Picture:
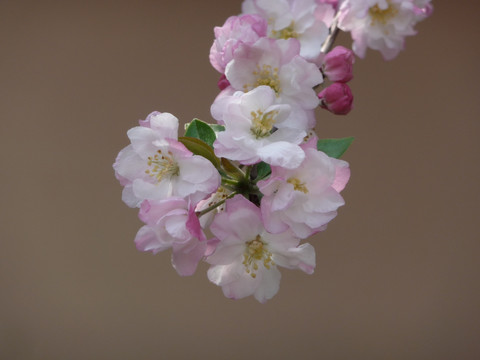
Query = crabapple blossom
x=275 y=63
x=246 y=258
x=292 y=19
x=381 y=24
x=304 y=199
x=257 y=179
x=172 y=223
x=248 y=138
x=237 y=30
x=337 y=98
x=156 y=166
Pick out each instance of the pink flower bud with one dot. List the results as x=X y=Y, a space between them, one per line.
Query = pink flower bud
x=337 y=98
x=223 y=83
x=338 y=64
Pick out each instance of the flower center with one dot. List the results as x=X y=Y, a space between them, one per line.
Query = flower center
x=265 y=76
x=162 y=166
x=256 y=250
x=380 y=16
x=298 y=185
x=262 y=124
x=285 y=33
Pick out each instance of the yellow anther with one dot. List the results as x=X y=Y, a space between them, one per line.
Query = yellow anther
x=285 y=33
x=262 y=124
x=256 y=250
x=382 y=16
x=162 y=166
x=266 y=75
x=298 y=185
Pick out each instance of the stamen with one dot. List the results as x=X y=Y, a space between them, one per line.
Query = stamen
x=285 y=33
x=256 y=250
x=380 y=16
x=162 y=166
x=298 y=185
x=265 y=76
x=262 y=124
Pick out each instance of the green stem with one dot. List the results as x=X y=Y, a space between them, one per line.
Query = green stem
x=226 y=181
x=334 y=30
x=247 y=172
x=214 y=206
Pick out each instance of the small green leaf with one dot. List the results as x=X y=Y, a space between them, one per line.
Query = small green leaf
x=334 y=147
x=263 y=170
x=217 y=128
x=201 y=130
x=198 y=147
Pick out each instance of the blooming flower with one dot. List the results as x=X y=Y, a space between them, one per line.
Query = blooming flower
x=249 y=120
x=246 y=257
x=237 y=30
x=292 y=19
x=156 y=166
x=275 y=63
x=337 y=98
x=172 y=223
x=381 y=24
x=304 y=199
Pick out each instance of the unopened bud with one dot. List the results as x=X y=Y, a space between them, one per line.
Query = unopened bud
x=337 y=98
x=338 y=64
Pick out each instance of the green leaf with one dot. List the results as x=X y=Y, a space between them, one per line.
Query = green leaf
x=217 y=128
x=201 y=130
x=263 y=170
x=334 y=147
x=198 y=147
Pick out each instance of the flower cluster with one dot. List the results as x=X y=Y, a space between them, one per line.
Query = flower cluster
x=244 y=193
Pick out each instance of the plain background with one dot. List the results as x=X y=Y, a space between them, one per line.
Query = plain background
x=397 y=272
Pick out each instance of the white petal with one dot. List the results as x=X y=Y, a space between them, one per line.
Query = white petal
x=282 y=154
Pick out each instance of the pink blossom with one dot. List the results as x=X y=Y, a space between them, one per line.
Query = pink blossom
x=156 y=166
x=275 y=63
x=304 y=199
x=337 y=98
x=381 y=24
x=247 y=257
x=250 y=119
x=292 y=19
x=172 y=223
x=338 y=64
x=236 y=30
x=325 y=11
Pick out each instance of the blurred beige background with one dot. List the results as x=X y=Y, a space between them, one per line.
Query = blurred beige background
x=397 y=271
